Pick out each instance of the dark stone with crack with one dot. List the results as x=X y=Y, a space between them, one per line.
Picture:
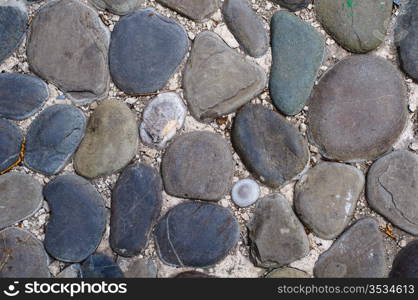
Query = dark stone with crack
x=145 y=51
x=358 y=109
x=197 y=10
x=21 y=96
x=77 y=221
x=277 y=237
x=53 y=137
x=269 y=145
x=293 y=5
x=198 y=165
x=11 y=139
x=100 y=266
x=22 y=255
x=358 y=26
x=136 y=204
x=392 y=185
x=118 y=7
x=196 y=234
x=358 y=253
x=405 y=264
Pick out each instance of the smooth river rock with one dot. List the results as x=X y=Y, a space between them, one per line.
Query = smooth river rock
x=358 y=253
x=138 y=267
x=326 y=196
x=358 y=26
x=298 y=51
x=110 y=142
x=21 y=96
x=20 y=197
x=53 y=137
x=22 y=255
x=100 y=266
x=245 y=192
x=277 y=237
x=197 y=10
x=293 y=5
x=358 y=109
x=145 y=51
x=118 y=7
x=196 y=234
x=77 y=220
x=405 y=264
x=198 y=165
x=68 y=46
x=392 y=189
x=11 y=139
x=217 y=80
x=136 y=204
x=287 y=272
x=270 y=147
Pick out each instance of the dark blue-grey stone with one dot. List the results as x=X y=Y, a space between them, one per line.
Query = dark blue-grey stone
x=269 y=145
x=13 y=21
x=21 y=96
x=136 y=204
x=405 y=264
x=196 y=234
x=100 y=266
x=145 y=50
x=11 y=139
x=77 y=221
x=293 y=5
x=297 y=52
x=53 y=138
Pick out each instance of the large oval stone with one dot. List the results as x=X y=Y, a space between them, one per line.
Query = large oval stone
x=100 y=266
x=110 y=142
x=358 y=253
x=217 y=80
x=293 y=5
x=198 y=165
x=199 y=10
x=20 y=197
x=68 y=46
x=146 y=49
x=77 y=220
x=11 y=140
x=277 y=236
x=196 y=234
x=118 y=7
x=136 y=204
x=22 y=255
x=392 y=189
x=13 y=21
x=21 y=96
x=326 y=196
x=405 y=264
x=358 y=26
x=298 y=51
x=53 y=138
x=269 y=145
x=358 y=109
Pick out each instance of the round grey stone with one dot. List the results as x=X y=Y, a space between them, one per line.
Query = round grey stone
x=137 y=267
x=118 y=7
x=245 y=192
x=197 y=10
x=11 y=140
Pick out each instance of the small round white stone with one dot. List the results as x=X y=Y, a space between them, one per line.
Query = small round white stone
x=245 y=192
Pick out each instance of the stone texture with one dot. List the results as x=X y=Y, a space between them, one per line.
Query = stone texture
x=198 y=165
x=21 y=96
x=110 y=142
x=269 y=146
x=138 y=267
x=287 y=272
x=197 y=10
x=298 y=51
x=217 y=80
x=68 y=46
x=145 y=51
x=53 y=137
x=13 y=22
x=20 y=198
x=22 y=255
x=405 y=264
x=358 y=109
x=358 y=252
x=392 y=185
x=277 y=237
x=293 y=5
x=11 y=140
x=246 y=26
x=196 y=234
x=162 y=118
x=72 y=271
x=136 y=204
x=245 y=192
x=118 y=7
x=192 y=274
x=100 y=266
x=77 y=220
x=358 y=26
x=406 y=38
x=326 y=196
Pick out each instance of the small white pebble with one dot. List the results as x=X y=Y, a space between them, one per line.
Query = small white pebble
x=245 y=192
